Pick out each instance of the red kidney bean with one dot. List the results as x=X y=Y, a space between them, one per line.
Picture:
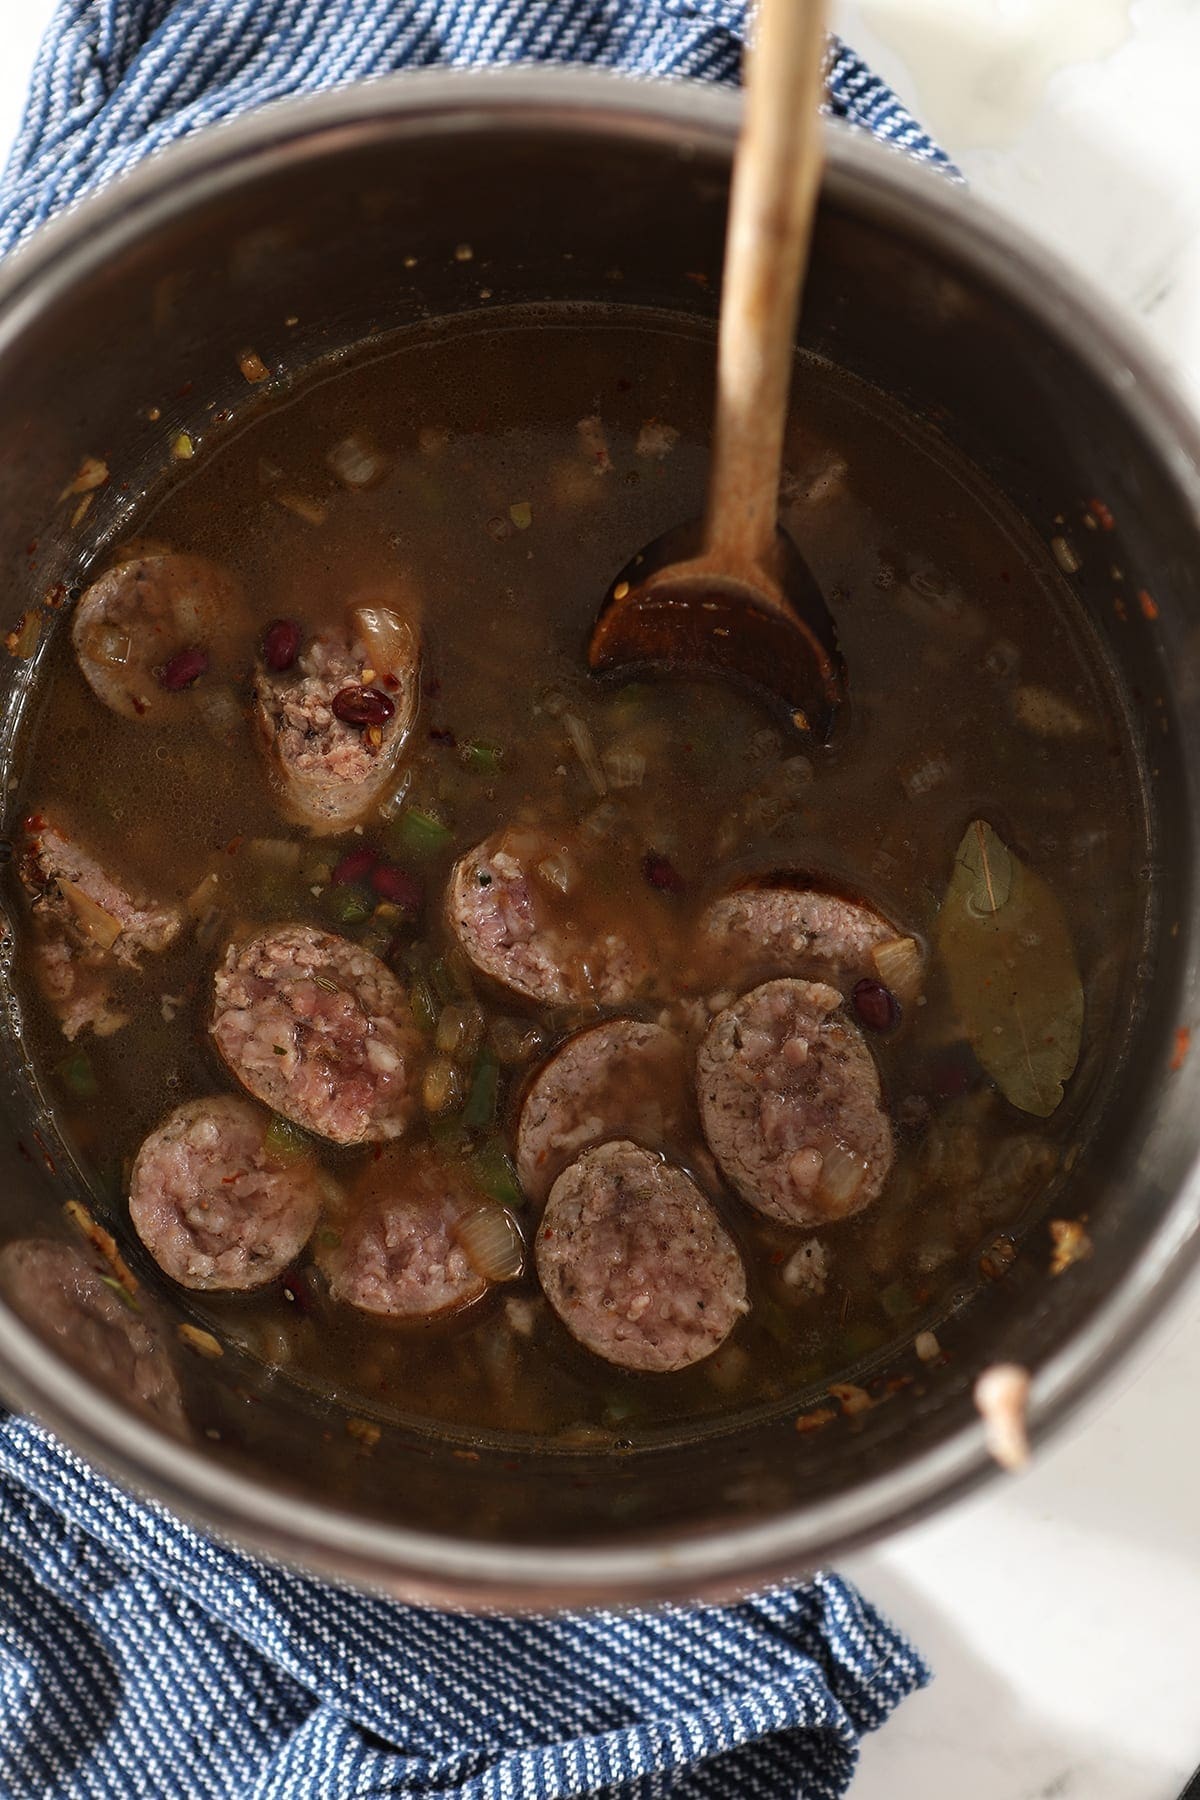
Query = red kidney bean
x=876 y=1006
x=362 y=706
x=661 y=873
x=182 y=669
x=356 y=865
x=398 y=886
x=281 y=644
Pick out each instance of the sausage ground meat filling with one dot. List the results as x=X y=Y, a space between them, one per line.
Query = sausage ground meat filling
x=518 y=929
x=152 y=628
x=397 y=1255
x=635 y=1261
x=65 y=1299
x=86 y=925
x=330 y=771
x=619 y=1079
x=791 y=1105
x=215 y=1207
x=763 y=931
x=320 y=1031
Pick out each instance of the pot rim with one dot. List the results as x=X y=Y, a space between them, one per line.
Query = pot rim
x=868 y=177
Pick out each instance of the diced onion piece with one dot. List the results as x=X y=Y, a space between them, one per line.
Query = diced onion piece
x=656 y=439
x=313 y=512
x=593 y=441
x=459 y=1030
x=280 y=855
x=356 y=463
x=927 y=1347
x=94 y=921
x=624 y=768
x=851 y=1398
x=841 y=1176
x=201 y=1341
x=899 y=966
x=183 y=447
x=807 y=1268
x=388 y=639
x=1046 y=713
x=221 y=712
x=1066 y=555
x=202 y=895
x=442 y=1087
x=107 y=644
x=557 y=872
x=253 y=367
x=93 y=473
x=1001 y=1396
x=493 y=1243
x=584 y=746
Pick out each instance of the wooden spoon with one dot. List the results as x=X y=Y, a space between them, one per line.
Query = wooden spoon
x=731 y=595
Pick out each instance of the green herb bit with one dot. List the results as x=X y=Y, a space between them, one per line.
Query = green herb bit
x=480 y=1109
x=123 y=1295
x=349 y=905
x=78 y=1076
x=328 y=1238
x=419 y=834
x=493 y=1169
x=285 y=1142
x=481 y=756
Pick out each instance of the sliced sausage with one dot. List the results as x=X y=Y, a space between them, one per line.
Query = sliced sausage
x=153 y=627
x=332 y=725
x=212 y=1204
x=518 y=929
x=766 y=930
x=790 y=1101
x=86 y=925
x=62 y=1295
x=635 y=1261
x=397 y=1254
x=320 y=1031
x=621 y=1079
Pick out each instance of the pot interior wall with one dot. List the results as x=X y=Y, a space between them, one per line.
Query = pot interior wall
x=317 y=243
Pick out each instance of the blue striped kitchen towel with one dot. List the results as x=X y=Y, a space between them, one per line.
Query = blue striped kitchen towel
x=138 y=1657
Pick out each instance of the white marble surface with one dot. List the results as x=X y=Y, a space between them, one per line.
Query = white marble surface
x=1061 y=1611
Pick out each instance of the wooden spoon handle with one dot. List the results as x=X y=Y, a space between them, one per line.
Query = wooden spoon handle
x=776 y=179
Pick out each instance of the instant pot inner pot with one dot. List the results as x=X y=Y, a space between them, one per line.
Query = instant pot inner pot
x=322 y=240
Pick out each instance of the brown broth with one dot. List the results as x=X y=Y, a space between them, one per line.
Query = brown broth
x=946 y=604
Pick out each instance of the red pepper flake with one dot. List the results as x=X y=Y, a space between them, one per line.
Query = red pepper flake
x=1102 y=515
x=391 y=681
x=1120 y=608
x=1183 y=1043
x=661 y=873
x=234 y=845
x=1148 y=604
x=697 y=276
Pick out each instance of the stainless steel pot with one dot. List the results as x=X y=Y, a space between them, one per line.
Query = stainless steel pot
x=345 y=213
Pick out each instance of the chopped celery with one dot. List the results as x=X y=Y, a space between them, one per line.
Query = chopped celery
x=285 y=1142
x=419 y=834
x=423 y=1001
x=896 y=1301
x=484 y=758
x=349 y=905
x=78 y=1076
x=480 y=1108
x=859 y=1339
x=493 y=1169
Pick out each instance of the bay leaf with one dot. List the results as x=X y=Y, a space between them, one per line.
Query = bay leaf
x=1014 y=978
